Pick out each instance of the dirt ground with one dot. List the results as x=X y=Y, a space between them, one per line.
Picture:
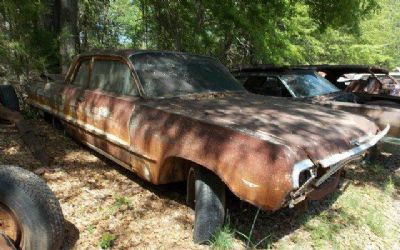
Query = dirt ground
x=98 y=197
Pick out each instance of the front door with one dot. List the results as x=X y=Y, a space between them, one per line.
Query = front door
x=108 y=102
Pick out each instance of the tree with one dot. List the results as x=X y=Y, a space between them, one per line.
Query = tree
x=47 y=33
x=69 y=38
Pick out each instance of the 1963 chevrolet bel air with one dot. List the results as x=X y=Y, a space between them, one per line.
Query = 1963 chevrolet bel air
x=173 y=116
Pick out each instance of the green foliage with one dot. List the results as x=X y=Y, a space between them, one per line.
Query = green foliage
x=223 y=239
x=340 y=13
x=91 y=229
x=25 y=42
x=122 y=201
x=236 y=32
x=107 y=240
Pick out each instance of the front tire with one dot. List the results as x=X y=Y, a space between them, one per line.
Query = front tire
x=209 y=205
x=30 y=214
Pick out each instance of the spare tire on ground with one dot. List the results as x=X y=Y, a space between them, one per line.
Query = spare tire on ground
x=8 y=97
x=30 y=214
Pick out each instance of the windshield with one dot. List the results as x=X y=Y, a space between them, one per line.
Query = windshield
x=307 y=84
x=166 y=74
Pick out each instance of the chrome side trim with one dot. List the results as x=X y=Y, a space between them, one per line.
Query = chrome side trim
x=91 y=129
x=354 y=151
x=110 y=157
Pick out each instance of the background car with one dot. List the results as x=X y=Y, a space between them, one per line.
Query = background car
x=306 y=84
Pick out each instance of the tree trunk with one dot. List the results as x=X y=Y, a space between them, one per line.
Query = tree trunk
x=69 y=39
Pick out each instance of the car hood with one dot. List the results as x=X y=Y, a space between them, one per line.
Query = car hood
x=339 y=96
x=319 y=131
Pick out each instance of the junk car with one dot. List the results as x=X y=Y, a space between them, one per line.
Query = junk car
x=370 y=83
x=170 y=117
x=306 y=84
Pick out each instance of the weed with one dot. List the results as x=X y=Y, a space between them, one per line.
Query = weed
x=91 y=229
x=375 y=221
x=121 y=201
x=390 y=188
x=107 y=240
x=223 y=239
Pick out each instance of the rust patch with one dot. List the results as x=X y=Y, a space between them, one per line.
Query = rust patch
x=9 y=226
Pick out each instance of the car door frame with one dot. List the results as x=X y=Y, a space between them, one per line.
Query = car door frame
x=105 y=143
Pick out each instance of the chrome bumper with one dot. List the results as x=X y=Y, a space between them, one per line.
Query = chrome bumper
x=336 y=160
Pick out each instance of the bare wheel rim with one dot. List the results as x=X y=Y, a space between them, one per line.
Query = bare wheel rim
x=10 y=226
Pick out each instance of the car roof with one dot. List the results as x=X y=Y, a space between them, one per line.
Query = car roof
x=346 y=68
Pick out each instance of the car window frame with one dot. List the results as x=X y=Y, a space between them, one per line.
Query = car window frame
x=267 y=74
x=73 y=74
x=282 y=83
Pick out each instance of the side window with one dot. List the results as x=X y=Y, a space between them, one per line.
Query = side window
x=121 y=77
x=241 y=79
x=274 y=87
x=112 y=76
x=255 y=84
x=82 y=76
x=266 y=85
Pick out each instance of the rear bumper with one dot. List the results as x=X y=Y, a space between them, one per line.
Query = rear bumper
x=330 y=166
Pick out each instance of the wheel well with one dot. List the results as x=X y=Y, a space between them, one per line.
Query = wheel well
x=175 y=169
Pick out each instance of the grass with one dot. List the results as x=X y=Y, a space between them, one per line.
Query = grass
x=119 y=203
x=107 y=240
x=223 y=239
x=363 y=209
x=361 y=216
x=91 y=229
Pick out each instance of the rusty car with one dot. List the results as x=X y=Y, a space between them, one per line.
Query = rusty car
x=171 y=116
x=306 y=84
x=371 y=83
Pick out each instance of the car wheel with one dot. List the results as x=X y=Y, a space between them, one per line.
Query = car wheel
x=209 y=205
x=8 y=97
x=30 y=214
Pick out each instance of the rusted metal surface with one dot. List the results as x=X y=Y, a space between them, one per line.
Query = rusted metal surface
x=373 y=80
x=255 y=145
x=326 y=188
x=9 y=227
x=27 y=134
x=381 y=115
x=374 y=85
x=5 y=243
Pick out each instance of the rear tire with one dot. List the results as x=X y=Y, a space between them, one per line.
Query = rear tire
x=209 y=205
x=36 y=217
x=8 y=97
